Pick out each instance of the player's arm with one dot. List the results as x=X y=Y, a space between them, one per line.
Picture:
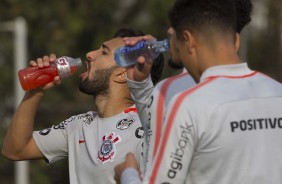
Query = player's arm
x=138 y=76
x=141 y=79
x=141 y=93
x=18 y=142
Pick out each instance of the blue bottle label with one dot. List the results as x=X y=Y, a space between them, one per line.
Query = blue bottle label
x=138 y=46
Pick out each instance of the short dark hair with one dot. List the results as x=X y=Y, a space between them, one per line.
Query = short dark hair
x=128 y=32
x=244 y=9
x=203 y=15
x=232 y=14
x=158 y=64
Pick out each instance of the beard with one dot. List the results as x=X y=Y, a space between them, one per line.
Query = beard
x=100 y=85
x=173 y=65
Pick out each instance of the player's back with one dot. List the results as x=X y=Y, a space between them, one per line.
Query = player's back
x=238 y=127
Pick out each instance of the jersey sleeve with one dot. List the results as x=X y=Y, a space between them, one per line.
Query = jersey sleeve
x=140 y=156
x=175 y=151
x=141 y=93
x=130 y=176
x=53 y=141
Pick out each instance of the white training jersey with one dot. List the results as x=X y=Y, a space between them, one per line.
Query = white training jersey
x=225 y=130
x=93 y=145
x=151 y=104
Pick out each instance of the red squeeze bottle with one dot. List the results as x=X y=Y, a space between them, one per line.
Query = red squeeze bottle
x=33 y=77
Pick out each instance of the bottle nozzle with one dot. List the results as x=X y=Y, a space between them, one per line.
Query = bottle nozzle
x=164 y=45
x=78 y=62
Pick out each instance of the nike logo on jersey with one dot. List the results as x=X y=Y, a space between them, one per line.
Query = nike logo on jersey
x=81 y=141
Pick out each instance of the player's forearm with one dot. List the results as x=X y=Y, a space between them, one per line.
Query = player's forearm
x=141 y=94
x=141 y=91
x=20 y=130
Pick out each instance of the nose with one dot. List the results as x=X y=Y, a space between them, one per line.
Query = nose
x=91 y=55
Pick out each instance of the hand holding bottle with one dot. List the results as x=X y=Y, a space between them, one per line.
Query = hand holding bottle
x=44 y=62
x=141 y=70
x=47 y=71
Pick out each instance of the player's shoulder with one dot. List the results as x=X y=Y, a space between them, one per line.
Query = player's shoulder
x=197 y=95
x=79 y=119
x=180 y=79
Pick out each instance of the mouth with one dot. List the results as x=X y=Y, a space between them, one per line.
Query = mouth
x=86 y=66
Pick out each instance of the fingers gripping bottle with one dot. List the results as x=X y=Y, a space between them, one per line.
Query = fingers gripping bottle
x=33 y=77
x=150 y=49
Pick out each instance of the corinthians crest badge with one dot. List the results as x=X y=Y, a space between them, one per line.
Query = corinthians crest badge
x=107 y=150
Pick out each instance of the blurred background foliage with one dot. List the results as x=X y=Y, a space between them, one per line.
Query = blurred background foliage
x=74 y=27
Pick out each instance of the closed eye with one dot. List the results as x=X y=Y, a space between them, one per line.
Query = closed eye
x=104 y=52
x=105 y=49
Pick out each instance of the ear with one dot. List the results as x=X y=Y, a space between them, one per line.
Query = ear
x=190 y=40
x=119 y=75
x=237 y=42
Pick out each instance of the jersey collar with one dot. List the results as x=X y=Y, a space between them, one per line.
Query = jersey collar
x=231 y=70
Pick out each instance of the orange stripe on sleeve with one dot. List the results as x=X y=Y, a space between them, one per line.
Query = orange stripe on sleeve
x=161 y=106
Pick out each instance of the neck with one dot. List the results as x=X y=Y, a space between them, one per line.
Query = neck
x=221 y=53
x=107 y=106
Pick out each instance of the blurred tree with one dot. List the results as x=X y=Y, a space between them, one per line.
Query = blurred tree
x=265 y=47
